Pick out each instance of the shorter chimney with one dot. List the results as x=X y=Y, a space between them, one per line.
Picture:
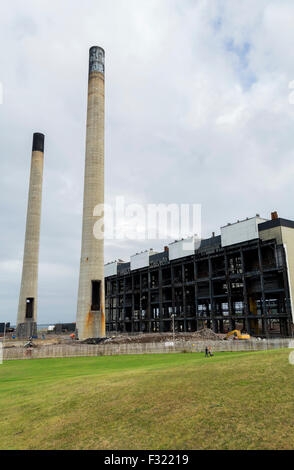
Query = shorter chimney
x=274 y=215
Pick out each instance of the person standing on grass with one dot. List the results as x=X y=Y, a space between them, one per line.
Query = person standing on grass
x=206 y=352
x=209 y=351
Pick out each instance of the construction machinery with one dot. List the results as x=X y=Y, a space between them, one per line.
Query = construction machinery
x=237 y=335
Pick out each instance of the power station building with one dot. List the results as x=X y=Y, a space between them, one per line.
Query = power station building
x=242 y=279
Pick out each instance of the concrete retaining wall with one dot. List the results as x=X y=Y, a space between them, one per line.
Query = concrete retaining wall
x=77 y=350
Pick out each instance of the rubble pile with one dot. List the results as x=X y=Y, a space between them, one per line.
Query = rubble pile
x=141 y=338
x=95 y=340
x=200 y=335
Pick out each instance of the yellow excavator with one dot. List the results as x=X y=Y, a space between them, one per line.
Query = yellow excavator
x=237 y=335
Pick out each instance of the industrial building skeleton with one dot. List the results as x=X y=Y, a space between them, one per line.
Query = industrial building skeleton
x=247 y=285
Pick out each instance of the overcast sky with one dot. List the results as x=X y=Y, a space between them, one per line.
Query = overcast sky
x=197 y=111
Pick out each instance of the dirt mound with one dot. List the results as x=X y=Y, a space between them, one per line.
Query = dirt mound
x=206 y=333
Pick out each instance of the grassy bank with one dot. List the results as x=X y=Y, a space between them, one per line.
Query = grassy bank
x=177 y=401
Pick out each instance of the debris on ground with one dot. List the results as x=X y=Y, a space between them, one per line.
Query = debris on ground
x=94 y=340
x=204 y=334
x=200 y=335
x=30 y=344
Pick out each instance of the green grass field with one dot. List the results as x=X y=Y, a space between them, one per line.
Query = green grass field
x=168 y=401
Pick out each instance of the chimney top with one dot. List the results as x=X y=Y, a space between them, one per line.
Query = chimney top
x=274 y=215
x=96 y=59
x=38 y=142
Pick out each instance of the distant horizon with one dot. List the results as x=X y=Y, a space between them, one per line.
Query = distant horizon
x=13 y=325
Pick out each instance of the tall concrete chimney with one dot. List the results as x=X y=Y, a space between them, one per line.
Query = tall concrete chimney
x=27 y=308
x=90 y=310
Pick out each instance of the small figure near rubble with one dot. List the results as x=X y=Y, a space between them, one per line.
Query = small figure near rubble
x=209 y=351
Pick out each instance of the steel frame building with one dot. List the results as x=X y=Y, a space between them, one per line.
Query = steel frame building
x=245 y=285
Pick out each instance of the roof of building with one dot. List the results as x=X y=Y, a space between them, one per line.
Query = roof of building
x=207 y=245
x=276 y=223
x=256 y=217
x=159 y=258
x=123 y=268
